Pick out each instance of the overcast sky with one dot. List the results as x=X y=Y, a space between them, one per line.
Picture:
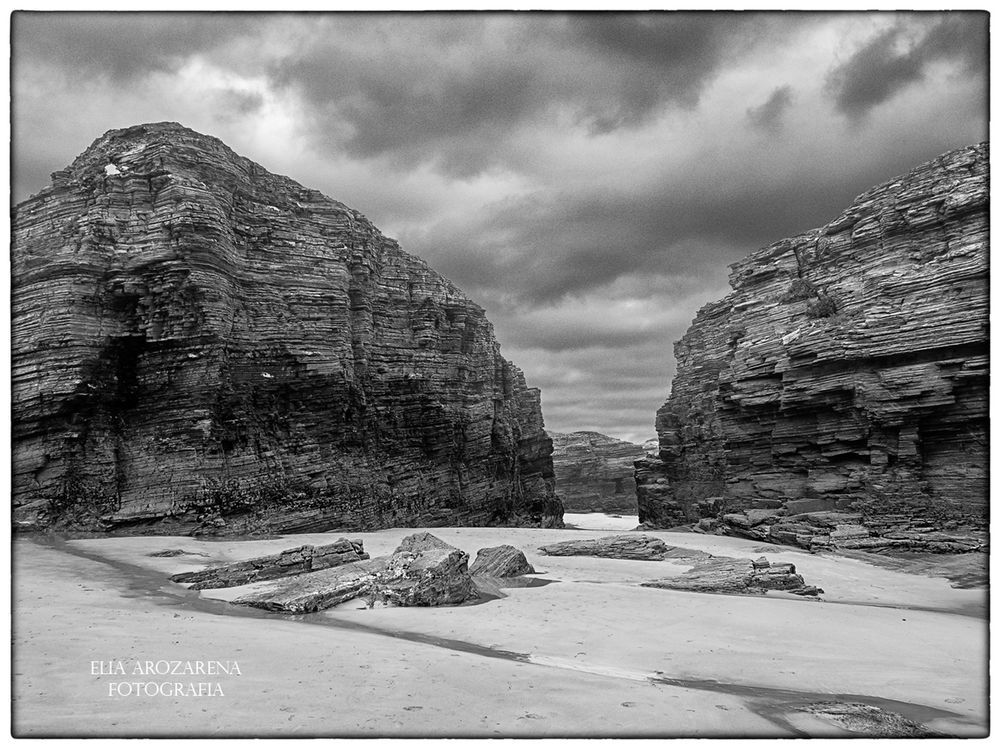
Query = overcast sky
x=587 y=179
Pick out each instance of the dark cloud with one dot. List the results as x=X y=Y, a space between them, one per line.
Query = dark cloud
x=768 y=115
x=892 y=60
x=540 y=248
x=121 y=45
x=662 y=58
x=470 y=84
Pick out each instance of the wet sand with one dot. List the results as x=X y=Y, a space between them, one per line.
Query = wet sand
x=589 y=654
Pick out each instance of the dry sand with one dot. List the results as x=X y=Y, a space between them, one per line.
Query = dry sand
x=588 y=654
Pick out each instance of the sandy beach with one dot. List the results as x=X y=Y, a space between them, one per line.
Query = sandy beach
x=583 y=651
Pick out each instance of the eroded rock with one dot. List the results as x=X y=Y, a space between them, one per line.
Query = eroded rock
x=201 y=346
x=432 y=577
x=501 y=561
x=734 y=575
x=846 y=371
x=625 y=546
x=315 y=591
x=290 y=562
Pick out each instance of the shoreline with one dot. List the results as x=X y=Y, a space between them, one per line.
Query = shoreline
x=531 y=630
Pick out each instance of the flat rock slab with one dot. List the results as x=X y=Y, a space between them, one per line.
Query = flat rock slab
x=501 y=561
x=625 y=546
x=737 y=575
x=315 y=591
x=295 y=561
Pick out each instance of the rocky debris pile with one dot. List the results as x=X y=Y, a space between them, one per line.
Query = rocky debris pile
x=624 y=546
x=733 y=575
x=817 y=531
x=869 y=721
x=284 y=564
x=501 y=561
x=422 y=571
x=594 y=472
x=846 y=372
x=201 y=346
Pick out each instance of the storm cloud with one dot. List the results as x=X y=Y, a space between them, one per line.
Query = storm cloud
x=899 y=56
x=587 y=178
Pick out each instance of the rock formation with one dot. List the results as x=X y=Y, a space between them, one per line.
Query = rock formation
x=847 y=370
x=425 y=575
x=501 y=561
x=314 y=591
x=202 y=346
x=737 y=575
x=594 y=472
x=422 y=571
x=284 y=564
x=624 y=546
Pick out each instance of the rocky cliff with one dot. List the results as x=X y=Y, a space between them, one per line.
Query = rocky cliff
x=201 y=345
x=594 y=472
x=846 y=372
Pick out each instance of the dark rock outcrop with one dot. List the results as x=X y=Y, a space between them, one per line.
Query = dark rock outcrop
x=284 y=564
x=202 y=346
x=501 y=561
x=847 y=372
x=625 y=546
x=732 y=575
x=594 y=472
x=433 y=576
x=837 y=531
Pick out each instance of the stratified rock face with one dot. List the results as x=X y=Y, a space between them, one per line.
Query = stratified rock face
x=202 y=344
x=846 y=371
x=594 y=472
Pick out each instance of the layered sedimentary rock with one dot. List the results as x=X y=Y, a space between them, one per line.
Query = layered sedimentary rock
x=314 y=591
x=422 y=571
x=290 y=562
x=846 y=371
x=204 y=345
x=594 y=472
x=501 y=561
x=626 y=546
x=426 y=574
x=737 y=575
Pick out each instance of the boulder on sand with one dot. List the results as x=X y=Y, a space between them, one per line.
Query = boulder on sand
x=501 y=561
